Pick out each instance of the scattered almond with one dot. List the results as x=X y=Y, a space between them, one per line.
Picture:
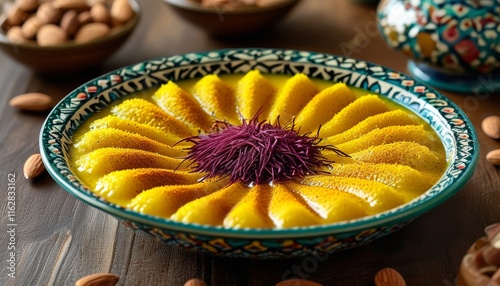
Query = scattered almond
x=98 y=279
x=33 y=167
x=494 y=157
x=297 y=282
x=491 y=126
x=51 y=35
x=33 y=101
x=389 y=277
x=195 y=282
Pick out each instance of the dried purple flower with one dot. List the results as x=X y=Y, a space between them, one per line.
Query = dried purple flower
x=257 y=152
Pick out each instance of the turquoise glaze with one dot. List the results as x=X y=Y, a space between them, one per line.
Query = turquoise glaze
x=452 y=44
x=453 y=127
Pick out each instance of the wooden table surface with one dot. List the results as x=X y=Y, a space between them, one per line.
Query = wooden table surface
x=59 y=239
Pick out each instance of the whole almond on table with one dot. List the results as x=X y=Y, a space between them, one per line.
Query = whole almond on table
x=297 y=282
x=494 y=157
x=91 y=32
x=33 y=101
x=98 y=279
x=491 y=126
x=51 y=35
x=389 y=277
x=195 y=282
x=33 y=167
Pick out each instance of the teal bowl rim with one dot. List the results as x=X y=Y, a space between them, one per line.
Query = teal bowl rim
x=446 y=116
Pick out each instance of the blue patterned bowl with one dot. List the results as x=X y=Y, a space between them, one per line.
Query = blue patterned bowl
x=452 y=44
x=453 y=127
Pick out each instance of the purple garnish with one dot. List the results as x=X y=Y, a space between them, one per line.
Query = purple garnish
x=257 y=152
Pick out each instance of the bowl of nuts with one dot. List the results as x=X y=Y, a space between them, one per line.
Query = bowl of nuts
x=238 y=18
x=65 y=36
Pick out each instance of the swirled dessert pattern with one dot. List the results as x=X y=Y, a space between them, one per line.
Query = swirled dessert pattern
x=133 y=155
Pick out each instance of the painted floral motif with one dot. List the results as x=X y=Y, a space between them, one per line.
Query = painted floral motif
x=459 y=36
x=445 y=117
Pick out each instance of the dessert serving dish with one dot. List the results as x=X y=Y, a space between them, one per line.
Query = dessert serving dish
x=145 y=143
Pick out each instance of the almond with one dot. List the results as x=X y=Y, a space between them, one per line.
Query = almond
x=15 y=35
x=121 y=12
x=195 y=282
x=98 y=279
x=491 y=126
x=69 y=22
x=31 y=27
x=33 y=101
x=297 y=282
x=389 y=277
x=27 y=5
x=80 y=5
x=47 y=13
x=51 y=35
x=16 y=16
x=33 y=167
x=494 y=157
x=91 y=31
x=84 y=18
x=100 y=13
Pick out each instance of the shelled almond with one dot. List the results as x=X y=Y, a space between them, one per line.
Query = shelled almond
x=491 y=126
x=33 y=101
x=98 y=279
x=27 y=20
x=33 y=166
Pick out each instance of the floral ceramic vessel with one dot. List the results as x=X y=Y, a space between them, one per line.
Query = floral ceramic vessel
x=448 y=121
x=453 y=44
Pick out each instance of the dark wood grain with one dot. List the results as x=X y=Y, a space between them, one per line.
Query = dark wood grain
x=60 y=239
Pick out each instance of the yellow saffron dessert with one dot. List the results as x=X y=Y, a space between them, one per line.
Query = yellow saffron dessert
x=257 y=151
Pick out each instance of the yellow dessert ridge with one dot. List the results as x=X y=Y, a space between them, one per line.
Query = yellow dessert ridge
x=122 y=186
x=145 y=112
x=132 y=126
x=291 y=98
x=323 y=106
x=254 y=93
x=111 y=137
x=357 y=111
x=182 y=105
x=217 y=98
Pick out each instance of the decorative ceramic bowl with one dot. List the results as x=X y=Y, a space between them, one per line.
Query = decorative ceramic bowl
x=452 y=45
x=223 y=22
x=71 y=57
x=450 y=123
